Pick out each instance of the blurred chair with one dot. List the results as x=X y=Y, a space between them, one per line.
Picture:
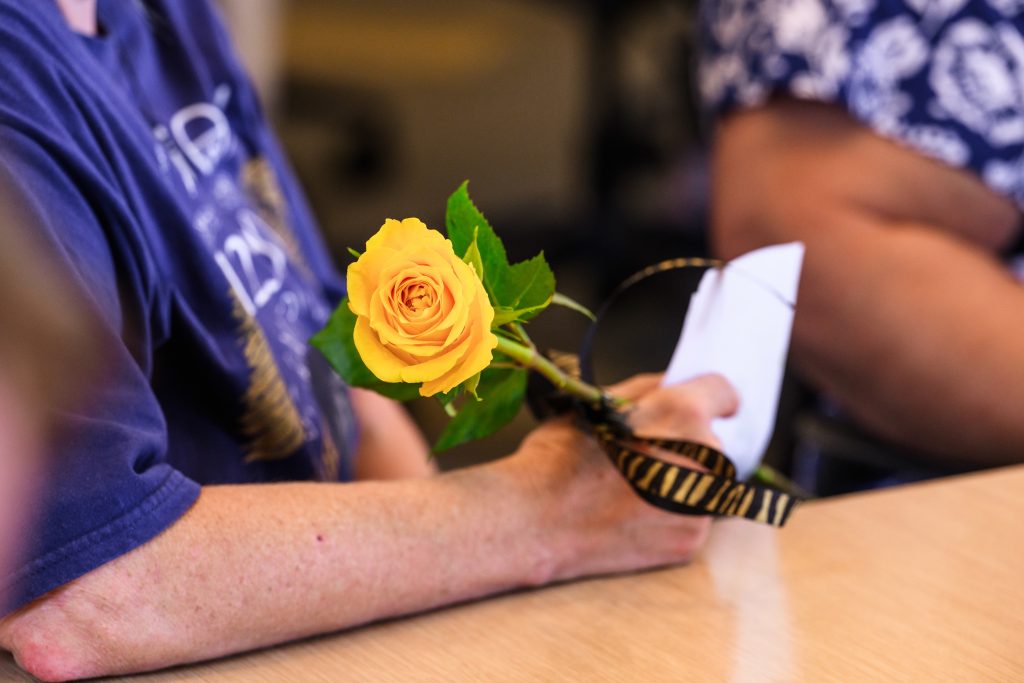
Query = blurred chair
x=643 y=161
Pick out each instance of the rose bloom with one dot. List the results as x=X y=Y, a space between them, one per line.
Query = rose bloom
x=422 y=313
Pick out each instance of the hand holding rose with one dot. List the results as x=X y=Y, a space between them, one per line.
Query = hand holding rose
x=592 y=522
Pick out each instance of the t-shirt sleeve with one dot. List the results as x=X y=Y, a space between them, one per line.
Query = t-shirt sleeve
x=107 y=488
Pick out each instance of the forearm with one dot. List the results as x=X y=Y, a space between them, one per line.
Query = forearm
x=254 y=565
x=250 y=566
x=390 y=444
x=919 y=336
x=902 y=314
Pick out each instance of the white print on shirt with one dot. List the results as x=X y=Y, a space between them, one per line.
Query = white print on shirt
x=197 y=137
x=167 y=152
x=254 y=286
x=196 y=140
x=277 y=301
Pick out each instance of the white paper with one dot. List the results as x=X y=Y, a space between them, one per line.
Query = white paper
x=738 y=325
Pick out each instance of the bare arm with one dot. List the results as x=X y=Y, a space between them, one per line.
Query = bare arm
x=904 y=314
x=254 y=565
x=390 y=444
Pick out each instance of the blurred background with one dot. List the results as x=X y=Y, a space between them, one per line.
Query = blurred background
x=575 y=122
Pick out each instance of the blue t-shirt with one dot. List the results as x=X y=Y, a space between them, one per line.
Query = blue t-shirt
x=943 y=77
x=143 y=159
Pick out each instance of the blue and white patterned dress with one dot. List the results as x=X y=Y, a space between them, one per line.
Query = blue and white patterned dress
x=943 y=77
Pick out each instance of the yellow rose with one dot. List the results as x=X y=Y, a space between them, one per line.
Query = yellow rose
x=422 y=313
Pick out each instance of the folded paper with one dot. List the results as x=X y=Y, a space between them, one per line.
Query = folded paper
x=738 y=325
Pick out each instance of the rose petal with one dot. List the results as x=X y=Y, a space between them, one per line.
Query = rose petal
x=378 y=358
x=393 y=237
x=442 y=268
x=479 y=350
x=467 y=289
x=439 y=365
x=390 y=332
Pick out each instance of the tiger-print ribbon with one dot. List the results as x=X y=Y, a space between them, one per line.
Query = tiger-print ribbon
x=678 y=488
x=669 y=486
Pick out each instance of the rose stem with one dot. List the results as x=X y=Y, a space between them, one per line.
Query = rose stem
x=767 y=474
x=529 y=358
x=520 y=332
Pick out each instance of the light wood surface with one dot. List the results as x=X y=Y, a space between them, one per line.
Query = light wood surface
x=919 y=583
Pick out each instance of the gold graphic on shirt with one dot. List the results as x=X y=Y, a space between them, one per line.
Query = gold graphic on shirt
x=271 y=421
x=331 y=458
x=260 y=183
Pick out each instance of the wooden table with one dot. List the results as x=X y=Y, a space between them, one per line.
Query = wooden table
x=920 y=583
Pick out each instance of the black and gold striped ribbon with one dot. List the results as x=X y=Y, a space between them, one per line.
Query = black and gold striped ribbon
x=681 y=489
x=670 y=486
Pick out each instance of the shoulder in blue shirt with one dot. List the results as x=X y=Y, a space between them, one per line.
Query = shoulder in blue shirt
x=143 y=159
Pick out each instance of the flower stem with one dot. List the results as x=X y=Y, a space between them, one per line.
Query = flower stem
x=765 y=474
x=530 y=358
x=521 y=334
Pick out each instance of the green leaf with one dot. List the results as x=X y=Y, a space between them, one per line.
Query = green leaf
x=471 y=385
x=336 y=343
x=504 y=316
x=449 y=397
x=528 y=287
x=562 y=300
x=473 y=258
x=467 y=225
x=502 y=390
x=518 y=316
x=354 y=253
x=518 y=292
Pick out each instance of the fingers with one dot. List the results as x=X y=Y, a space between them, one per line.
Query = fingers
x=698 y=401
x=714 y=392
x=636 y=386
x=684 y=411
x=711 y=391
